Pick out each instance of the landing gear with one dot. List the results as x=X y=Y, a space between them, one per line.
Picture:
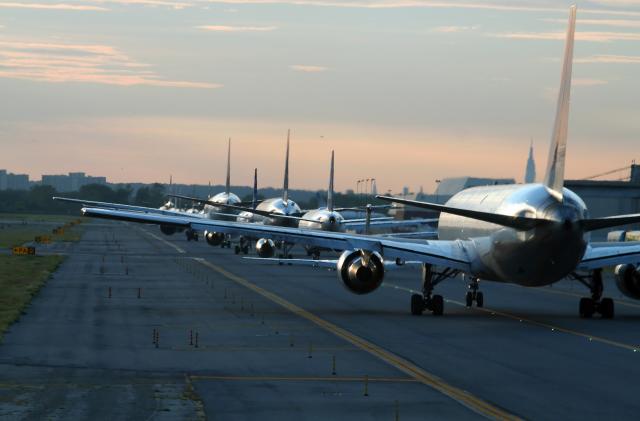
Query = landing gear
x=191 y=235
x=595 y=304
x=244 y=249
x=473 y=294
x=286 y=248
x=427 y=301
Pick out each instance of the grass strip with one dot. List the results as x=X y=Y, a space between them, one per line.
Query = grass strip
x=21 y=277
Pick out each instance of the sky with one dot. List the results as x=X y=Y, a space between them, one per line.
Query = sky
x=406 y=91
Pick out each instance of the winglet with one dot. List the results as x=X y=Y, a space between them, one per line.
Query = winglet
x=254 y=201
x=330 y=191
x=227 y=187
x=285 y=189
x=554 y=176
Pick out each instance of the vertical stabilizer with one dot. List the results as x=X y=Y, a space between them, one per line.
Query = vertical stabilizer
x=554 y=176
x=227 y=187
x=285 y=188
x=330 y=191
x=254 y=200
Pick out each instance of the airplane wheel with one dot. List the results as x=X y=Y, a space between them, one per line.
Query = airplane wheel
x=437 y=305
x=417 y=304
x=479 y=299
x=607 y=308
x=587 y=308
x=469 y=298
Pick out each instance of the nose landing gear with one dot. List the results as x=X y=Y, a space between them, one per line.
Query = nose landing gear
x=473 y=294
x=595 y=304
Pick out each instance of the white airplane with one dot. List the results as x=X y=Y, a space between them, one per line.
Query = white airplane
x=329 y=218
x=529 y=234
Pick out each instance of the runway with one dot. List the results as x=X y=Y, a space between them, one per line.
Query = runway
x=137 y=325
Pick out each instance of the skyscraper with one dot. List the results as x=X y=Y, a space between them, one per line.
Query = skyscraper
x=530 y=173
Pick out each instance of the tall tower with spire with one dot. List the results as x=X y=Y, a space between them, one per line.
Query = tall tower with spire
x=530 y=173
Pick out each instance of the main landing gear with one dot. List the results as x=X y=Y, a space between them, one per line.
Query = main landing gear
x=473 y=294
x=595 y=304
x=242 y=247
x=191 y=234
x=286 y=251
x=427 y=301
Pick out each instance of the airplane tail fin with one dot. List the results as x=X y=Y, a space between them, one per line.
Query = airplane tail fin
x=227 y=187
x=285 y=189
x=554 y=176
x=254 y=201
x=330 y=191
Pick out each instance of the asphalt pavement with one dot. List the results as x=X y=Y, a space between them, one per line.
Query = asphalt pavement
x=138 y=325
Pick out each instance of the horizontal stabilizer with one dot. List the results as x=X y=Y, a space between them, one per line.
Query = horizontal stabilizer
x=609 y=221
x=516 y=222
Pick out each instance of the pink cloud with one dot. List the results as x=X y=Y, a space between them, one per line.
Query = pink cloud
x=90 y=63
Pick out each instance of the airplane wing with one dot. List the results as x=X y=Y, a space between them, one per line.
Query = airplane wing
x=599 y=255
x=322 y=263
x=359 y=225
x=425 y=235
x=451 y=254
x=133 y=208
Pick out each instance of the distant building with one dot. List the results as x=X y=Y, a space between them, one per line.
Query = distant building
x=606 y=198
x=530 y=173
x=10 y=181
x=72 y=182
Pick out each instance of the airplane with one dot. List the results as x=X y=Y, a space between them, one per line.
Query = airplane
x=528 y=234
x=325 y=219
x=213 y=209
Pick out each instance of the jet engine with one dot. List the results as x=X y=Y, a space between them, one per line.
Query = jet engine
x=628 y=280
x=361 y=271
x=214 y=238
x=168 y=229
x=265 y=247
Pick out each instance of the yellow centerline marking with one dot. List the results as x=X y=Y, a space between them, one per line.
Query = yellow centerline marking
x=304 y=379
x=461 y=396
x=554 y=328
x=178 y=249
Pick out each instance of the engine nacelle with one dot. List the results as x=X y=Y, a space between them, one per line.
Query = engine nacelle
x=214 y=238
x=361 y=271
x=628 y=280
x=265 y=247
x=168 y=229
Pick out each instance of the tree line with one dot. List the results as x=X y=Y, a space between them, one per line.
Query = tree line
x=39 y=198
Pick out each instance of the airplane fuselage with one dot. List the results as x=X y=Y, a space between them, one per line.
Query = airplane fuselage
x=326 y=220
x=213 y=212
x=276 y=206
x=539 y=256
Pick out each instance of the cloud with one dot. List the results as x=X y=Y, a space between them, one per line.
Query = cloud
x=90 y=63
x=506 y=6
x=166 y=3
x=308 y=68
x=454 y=29
x=621 y=23
x=609 y=58
x=580 y=36
x=588 y=82
x=227 y=28
x=51 y=6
